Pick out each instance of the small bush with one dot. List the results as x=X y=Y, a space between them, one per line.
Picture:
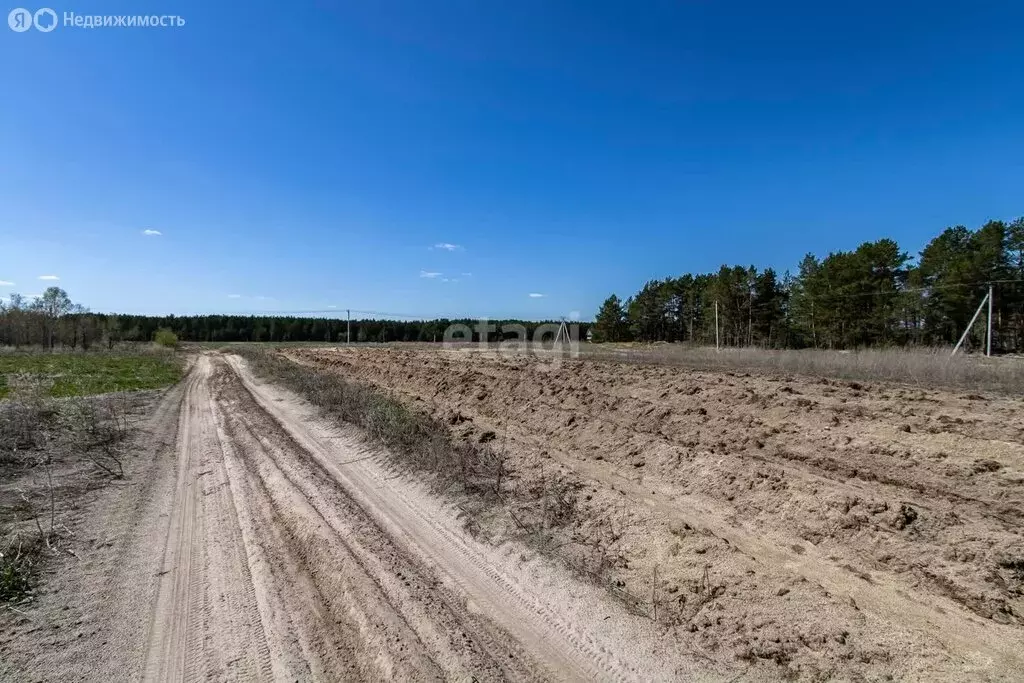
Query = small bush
x=18 y=561
x=165 y=338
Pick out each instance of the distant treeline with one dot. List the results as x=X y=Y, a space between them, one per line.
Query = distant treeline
x=53 y=320
x=873 y=295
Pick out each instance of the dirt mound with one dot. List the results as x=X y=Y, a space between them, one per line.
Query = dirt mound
x=823 y=527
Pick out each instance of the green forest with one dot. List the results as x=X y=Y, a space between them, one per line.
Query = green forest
x=875 y=295
x=53 y=320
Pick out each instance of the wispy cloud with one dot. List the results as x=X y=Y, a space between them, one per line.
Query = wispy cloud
x=6 y=283
x=535 y=295
x=48 y=277
x=332 y=307
x=429 y=274
x=264 y=298
x=447 y=246
x=467 y=275
x=450 y=279
x=234 y=296
x=151 y=233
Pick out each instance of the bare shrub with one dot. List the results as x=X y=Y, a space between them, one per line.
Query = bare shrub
x=37 y=434
x=26 y=420
x=19 y=561
x=95 y=427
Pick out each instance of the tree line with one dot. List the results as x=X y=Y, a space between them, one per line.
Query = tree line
x=873 y=295
x=53 y=320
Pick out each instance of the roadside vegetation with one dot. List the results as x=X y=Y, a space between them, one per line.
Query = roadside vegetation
x=476 y=472
x=65 y=419
x=52 y=451
x=422 y=442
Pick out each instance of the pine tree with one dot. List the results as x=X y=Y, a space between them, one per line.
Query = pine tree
x=610 y=324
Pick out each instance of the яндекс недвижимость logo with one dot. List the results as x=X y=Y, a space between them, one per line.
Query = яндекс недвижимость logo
x=45 y=20
x=21 y=20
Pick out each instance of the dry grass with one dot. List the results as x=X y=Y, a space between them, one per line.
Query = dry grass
x=921 y=367
x=422 y=442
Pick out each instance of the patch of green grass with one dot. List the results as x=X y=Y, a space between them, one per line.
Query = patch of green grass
x=82 y=374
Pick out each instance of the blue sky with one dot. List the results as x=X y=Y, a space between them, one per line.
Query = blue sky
x=296 y=156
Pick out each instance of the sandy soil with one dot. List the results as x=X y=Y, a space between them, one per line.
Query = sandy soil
x=254 y=541
x=792 y=526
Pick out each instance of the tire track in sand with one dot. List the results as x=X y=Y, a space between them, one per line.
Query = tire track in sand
x=205 y=622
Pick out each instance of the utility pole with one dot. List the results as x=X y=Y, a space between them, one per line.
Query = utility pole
x=988 y=298
x=988 y=348
x=717 y=346
x=348 y=326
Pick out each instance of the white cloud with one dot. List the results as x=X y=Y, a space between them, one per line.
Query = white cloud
x=332 y=307
x=429 y=274
x=6 y=283
x=264 y=298
x=151 y=232
x=234 y=296
x=447 y=246
x=535 y=295
x=467 y=275
x=48 y=277
x=450 y=279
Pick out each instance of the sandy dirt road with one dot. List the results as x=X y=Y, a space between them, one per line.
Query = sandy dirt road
x=269 y=545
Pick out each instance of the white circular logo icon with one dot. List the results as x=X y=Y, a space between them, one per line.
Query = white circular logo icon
x=20 y=20
x=45 y=20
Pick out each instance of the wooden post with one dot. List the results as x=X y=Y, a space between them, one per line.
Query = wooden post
x=988 y=347
x=717 y=344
